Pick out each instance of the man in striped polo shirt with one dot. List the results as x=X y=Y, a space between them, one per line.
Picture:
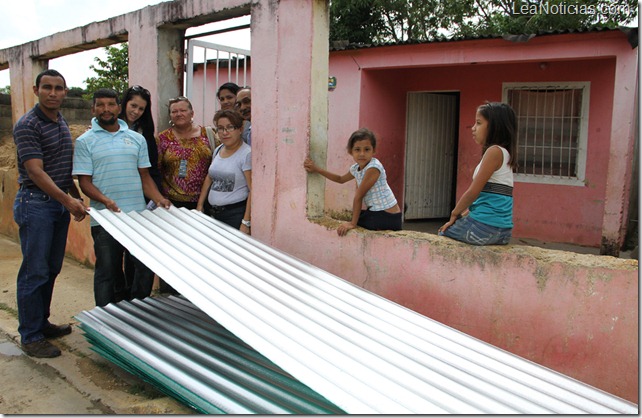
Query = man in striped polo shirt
x=42 y=208
x=111 y=162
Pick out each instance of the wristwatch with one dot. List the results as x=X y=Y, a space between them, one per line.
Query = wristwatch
x=246 y=223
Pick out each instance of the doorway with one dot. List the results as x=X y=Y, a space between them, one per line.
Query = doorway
x=431 y=153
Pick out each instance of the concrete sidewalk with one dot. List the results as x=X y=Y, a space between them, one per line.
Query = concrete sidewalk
x=79 y=381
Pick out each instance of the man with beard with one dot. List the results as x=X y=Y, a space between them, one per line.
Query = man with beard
x=42 y=210
x=244 y=107
x=111 y=162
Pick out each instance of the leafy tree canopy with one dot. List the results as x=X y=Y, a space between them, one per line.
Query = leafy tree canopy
x=76 y=92
x=369 y=21
x=113 y=72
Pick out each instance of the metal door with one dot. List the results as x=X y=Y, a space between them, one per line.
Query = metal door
x=430 y=154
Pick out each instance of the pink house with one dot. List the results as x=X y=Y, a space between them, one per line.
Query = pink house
x=575 y=94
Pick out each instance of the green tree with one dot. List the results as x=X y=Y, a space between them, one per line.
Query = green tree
x=113 y=72
x=356 y=20
x=371 y=21
x=76 y=92
x=5 y=90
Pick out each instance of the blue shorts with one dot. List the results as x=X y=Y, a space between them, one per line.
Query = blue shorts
x=474 y=232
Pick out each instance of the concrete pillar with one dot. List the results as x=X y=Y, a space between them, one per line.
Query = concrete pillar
x=23 y=71
x=289 y=111
x=318 y=149
x=618 y=180
x=170 y=53
x=156 y=63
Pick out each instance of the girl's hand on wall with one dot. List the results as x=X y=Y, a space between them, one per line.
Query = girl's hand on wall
x=344 y=228
x=445 y=226
x=309 y=166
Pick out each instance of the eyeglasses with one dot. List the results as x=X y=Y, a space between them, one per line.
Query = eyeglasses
x=178 y=99
x=141 y=89
x=228 y=128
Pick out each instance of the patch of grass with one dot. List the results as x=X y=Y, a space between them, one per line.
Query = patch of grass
x=8 y=309
x=144 y=390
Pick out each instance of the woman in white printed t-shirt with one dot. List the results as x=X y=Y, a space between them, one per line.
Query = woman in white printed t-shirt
x=228 y=186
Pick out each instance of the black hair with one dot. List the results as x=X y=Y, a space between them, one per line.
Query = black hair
x=502 y=128
x=145 y=123
x=233 y=116
x=233 y=87
x=361 y=134
x=105 y=93
x=51 y=73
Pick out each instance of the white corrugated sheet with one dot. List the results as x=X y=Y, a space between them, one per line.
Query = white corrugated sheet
x=362 y=352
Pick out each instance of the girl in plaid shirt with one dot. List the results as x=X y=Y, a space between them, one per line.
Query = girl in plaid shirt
x=373 y=190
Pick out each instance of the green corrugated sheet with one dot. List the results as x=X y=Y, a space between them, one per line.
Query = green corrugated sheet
x=171 y=344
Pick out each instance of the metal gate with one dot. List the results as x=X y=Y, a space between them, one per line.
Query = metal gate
x=228 y=64
x=430 y=155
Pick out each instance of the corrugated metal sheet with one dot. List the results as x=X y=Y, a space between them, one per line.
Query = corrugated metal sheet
x=362 y=352
x=173 y=345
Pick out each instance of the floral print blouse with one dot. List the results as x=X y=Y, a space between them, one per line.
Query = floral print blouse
x=183 y=163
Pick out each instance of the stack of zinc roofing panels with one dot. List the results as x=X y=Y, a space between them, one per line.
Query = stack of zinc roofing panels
x=362 y=352
x=173 y=345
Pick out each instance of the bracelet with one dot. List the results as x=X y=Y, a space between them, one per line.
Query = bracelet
x=246 y=223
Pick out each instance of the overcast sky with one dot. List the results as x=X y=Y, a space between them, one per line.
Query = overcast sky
x=28 y=20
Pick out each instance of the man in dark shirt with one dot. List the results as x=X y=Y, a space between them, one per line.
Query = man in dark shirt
x=42 y=209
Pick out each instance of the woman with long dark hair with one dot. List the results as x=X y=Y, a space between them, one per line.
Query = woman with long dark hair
x=136 y=111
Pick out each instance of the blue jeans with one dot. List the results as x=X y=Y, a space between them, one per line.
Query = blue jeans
x=473 y=232
x=43 y=224
x=108 y=271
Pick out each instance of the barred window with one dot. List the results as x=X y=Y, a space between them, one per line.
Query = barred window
x=551 y=130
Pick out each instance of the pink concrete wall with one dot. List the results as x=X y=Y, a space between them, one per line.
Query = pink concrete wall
x=575 y=314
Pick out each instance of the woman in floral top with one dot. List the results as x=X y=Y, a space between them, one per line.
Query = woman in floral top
x=184 y=155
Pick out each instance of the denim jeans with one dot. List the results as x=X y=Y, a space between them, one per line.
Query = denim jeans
x=43 y=224
x=231 y=217
x=474 y=232
x=108 y=271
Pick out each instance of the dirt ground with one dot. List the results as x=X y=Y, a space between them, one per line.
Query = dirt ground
x=79 y=381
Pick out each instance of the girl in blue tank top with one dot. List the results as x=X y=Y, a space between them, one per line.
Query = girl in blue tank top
x=484 y=213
